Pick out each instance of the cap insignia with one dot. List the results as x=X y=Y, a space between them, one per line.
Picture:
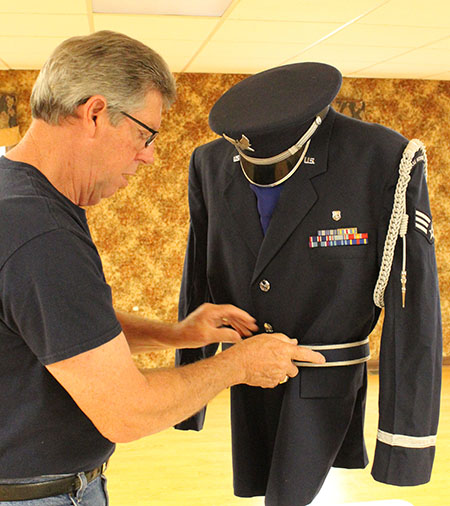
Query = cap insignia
x=243 y=144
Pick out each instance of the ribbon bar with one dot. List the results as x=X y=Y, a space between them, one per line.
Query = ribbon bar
x=338 y=237
x=338 y=231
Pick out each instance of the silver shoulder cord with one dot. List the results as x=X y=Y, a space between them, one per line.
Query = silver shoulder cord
x=398 y=225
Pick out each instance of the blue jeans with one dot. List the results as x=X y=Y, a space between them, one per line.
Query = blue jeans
x=89 y=494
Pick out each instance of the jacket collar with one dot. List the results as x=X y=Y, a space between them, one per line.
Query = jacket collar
x=296 y=200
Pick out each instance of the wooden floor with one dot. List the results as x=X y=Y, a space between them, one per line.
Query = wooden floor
x=177 y=468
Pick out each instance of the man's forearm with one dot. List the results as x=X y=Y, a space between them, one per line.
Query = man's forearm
x=176 y=394
x=209 y=323
x=191 y=388
x=144 y=335
x=125 y=404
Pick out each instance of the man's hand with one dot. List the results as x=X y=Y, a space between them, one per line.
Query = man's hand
x=208 y=324
x=266 y=359
x=211 y=323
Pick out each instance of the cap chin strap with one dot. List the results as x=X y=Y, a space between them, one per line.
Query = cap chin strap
x=244 y=143
x=287 y=176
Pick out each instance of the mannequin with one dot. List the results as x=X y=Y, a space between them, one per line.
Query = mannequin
x=290 y=210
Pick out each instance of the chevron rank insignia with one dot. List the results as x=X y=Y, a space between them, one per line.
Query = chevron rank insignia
x=424 y=225
x=338 y=237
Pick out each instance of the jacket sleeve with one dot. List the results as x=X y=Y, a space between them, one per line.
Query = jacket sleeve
x=194 y=286
x=411 y=351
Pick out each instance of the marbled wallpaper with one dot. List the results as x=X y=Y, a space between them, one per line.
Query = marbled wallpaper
x=141 y=231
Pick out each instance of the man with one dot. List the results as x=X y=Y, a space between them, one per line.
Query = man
x=69 y=386
x=290 y=210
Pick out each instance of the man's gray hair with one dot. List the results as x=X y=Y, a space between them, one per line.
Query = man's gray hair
x=106 y=63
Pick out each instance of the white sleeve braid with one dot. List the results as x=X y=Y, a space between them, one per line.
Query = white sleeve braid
x=399 y=221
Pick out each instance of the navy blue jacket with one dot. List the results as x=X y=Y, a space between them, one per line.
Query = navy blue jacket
x=286 y=439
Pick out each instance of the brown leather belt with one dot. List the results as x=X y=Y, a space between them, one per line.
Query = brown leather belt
x=27 y=491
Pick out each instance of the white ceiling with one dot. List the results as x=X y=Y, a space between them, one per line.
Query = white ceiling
x=363 y=38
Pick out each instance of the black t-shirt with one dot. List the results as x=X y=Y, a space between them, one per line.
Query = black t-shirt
x=54 y=304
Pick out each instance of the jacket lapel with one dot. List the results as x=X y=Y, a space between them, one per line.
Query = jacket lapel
x=241 y=203
x=297 y=198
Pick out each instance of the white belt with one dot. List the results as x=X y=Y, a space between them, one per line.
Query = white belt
x=337 y=355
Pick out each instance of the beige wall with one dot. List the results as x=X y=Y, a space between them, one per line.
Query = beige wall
x=141 y=231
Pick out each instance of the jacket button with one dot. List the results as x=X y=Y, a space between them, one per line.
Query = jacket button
x=268 y=327
x=264 y=285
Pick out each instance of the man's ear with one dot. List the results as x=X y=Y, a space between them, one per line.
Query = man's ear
x=93 y=112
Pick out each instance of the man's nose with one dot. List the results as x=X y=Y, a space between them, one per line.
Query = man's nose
x=147 y=155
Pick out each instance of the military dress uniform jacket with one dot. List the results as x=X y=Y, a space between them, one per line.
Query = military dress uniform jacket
x=286 y=439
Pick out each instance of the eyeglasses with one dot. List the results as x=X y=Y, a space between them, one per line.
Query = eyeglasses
x=154 y=133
